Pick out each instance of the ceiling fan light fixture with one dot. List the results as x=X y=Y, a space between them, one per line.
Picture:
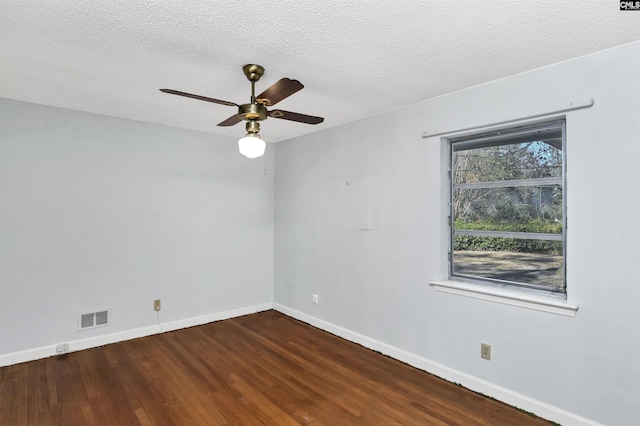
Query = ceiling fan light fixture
x=252 y=146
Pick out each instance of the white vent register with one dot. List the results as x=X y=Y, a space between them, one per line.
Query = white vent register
x=87 y=320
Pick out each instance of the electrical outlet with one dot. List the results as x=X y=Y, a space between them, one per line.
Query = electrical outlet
x=485 y=351
x=156 y=305
x=63 y=348
x=315 y=299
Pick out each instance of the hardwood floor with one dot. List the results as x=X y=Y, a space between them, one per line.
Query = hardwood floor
x=260 y=369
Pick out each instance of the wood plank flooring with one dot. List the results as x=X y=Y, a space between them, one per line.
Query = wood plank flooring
x=260 y=369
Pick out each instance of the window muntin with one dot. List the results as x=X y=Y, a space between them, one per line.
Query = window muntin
x=507 y=207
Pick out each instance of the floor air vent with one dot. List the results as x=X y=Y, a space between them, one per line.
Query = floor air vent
x=94 y=319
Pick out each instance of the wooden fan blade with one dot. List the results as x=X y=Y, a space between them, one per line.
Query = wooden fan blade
x=201 y=98
x=234 y=119
x=294 y=116
x=280 y=90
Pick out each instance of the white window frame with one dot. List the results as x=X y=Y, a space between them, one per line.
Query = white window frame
x=517 y=295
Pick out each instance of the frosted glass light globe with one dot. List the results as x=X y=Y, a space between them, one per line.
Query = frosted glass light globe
x=251 y=146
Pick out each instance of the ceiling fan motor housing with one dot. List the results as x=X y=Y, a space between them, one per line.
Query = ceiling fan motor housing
x=257 y=112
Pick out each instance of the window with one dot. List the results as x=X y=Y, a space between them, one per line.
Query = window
x=508 y=208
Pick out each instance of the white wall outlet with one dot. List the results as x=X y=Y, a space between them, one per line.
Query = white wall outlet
x=156 y=305
x=315 y=299
x=63 y=348
x=485 y=351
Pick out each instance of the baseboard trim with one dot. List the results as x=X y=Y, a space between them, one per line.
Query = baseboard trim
x=470 y=382
x=94 y=342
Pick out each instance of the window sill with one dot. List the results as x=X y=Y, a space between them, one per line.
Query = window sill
x=513 y=298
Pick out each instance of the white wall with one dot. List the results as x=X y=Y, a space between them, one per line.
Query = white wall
x=369 y=248
x=99 y=212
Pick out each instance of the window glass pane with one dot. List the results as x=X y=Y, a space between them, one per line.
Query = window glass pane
x=525 y=160
x=520 y=209
x=537 y=269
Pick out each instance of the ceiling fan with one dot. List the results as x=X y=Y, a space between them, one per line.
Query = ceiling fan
x=252 y=145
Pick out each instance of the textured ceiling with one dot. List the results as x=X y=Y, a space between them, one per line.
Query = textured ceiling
x=355 y=58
